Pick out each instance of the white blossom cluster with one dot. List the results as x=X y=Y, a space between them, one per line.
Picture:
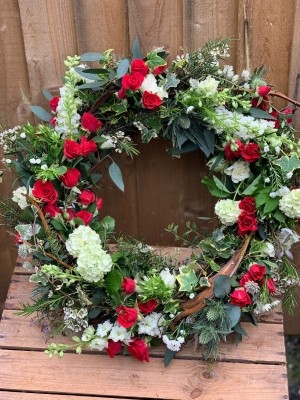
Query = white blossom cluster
x=168 y=278
x=228 y=211
x=92 y=261
x=173 y=344
x=151 y=325
x=75 y=318
x=265 y=307
x=208 y=87
x=241 y=126
x=286 y=239
x=19 y=198
x=289 y=204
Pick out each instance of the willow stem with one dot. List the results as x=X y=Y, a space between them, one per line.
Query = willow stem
x=40 y=212
x=61 y=262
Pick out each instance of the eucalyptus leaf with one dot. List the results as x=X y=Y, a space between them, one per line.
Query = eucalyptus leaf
x=222 y=286
x=92 y=56
x=123 y=68
x=41 y=113
x=47 y=94
x=92 y=85
x=234 y=314
x=136 y=49
x=116 y=175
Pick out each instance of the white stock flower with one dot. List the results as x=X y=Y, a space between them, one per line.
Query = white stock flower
x=228 y=211
x=103 y=329
x=172 y=344
x=151 y=325
x=289 y=204
x=81 y=237
x=239 y=171
x=19 y=198
x=268 y=249
x=168 y=278
x=118 y=332
x=207 y=87
x=98 y=343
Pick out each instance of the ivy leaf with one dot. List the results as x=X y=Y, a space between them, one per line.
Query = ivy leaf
x=213 y=265
x=92 y=56
x=288 y=164
x=222 y=286
x=113 y=281
x=187 y=278
x=116 y=175
x=170 y=81
x=169 y=355
x=136 y=49
x=154 y=60
x=41 y=113
x=234 y=314
x=123 y=68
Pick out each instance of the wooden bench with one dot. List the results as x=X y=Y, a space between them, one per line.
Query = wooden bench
x=254 y=370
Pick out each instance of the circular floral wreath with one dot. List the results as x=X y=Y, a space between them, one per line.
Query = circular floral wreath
x=128 y=296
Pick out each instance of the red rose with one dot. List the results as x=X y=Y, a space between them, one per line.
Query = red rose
x=122 y=94
x=240 y=298
x=18 y=239
x=87 y=146
x=128 y=285
x=263 y=91
x=52 y=210
x=248 y=205
x=231 y=154
x=151 y=100
x=53 y=121
x=70 y=178
x=159 y=70
x=140 y=66
x=251 y=152
x=89 y=122
x=246 y=223
x=288 y=110
x=86 y=197
x=114 y=348
x=53 y=103
x=271 y=285
x=257 y=272
x=262 y=104
x=148 y=307
x=99 y=203
x=72 y=149
x=86 y=216
x=245 y=278
x=127 y=316
x=138 y=349
x=45 y=191
x=132 y=82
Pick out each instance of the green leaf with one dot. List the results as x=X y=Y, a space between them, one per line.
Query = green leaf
x=47 y=94
x=263 y=197
x=171 y=81
x=213 y=265
x=27 y=214
x=92 y=56
x=116 y=176
x=92 y=85
x=123 y=68
x=220 y=185
x=41 y=113
x=254 y=185
x=187 y=281
x=108 y=224
x=57 y=225
x=209 y=137
x=169 y=355
x=214 y=190
x=94 y=312
x=113 y=281
x=288 y=164
x=279 y=216
x=222 y=286
x=238 y=329
x=234 y=313
x=260 y=114
x=271 y=205
x=98 y=297
x=136 y=49
x=96 y=71
x=154 y=60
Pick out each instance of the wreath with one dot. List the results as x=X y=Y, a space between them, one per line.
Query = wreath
x=127 y=296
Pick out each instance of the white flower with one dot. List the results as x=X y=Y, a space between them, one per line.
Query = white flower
x=108 y=144
x=283 y=190
x=23 y=135
x=239 y=171
x=19 y=198
x=150 y=85
x=44 y=167
x=98 y=344
x=118 y=332
x=207 y=87
x=289 y=204
x=228 y=71
x=268 y=249
x=168 y=278
x=88 y=334
x=246 y=74
x=32 y=161
x=80 y=237
x=93 y=263
x=266 y=148
x=103 y=329
x=289 y=175
x=151 y=325
x=189 y=109
x=287 y=238
x=228 y=211
x=172 y=344
x=267 y=180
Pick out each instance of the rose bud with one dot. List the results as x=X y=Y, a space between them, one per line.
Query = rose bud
x=53 y=103
x=89 y=122
x=140 y=66
x=52 y=210
x=85 y=216
x=246 y=223
x=99 y=203
x=257 y=272
x=248 y=205
x=240 y=298
x=132 y=82
x=151 y=101
x=128 y=285
x=87 y=146
x=72 y=149
x=263 y=91
x=159 y=70
x=251 y=152
x=233 y=150
x=270 y=285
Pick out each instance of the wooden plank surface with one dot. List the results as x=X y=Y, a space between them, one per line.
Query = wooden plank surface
x=123 y=376
x=264 y=344
x=4 y=395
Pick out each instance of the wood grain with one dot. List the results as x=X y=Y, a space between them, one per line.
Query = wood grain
x=264 y=344
x=123 y=377
x=39 y=396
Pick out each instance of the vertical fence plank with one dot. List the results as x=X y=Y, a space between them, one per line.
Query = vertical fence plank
x=210 y=19
x=156 y=23
x=49 y=36
x=102 y=24
x=270 y=38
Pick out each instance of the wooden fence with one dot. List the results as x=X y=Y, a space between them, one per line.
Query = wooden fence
x=36 y=36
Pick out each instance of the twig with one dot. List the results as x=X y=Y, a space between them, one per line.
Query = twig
x=283 y=96
x=102 y=99
x=246 y=39
x=41 y=215
x=61 y=262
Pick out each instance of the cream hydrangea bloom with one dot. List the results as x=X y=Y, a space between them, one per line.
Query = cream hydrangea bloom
x=93 y=263
x=228 y=211
x=289 y=204
x=81 y=237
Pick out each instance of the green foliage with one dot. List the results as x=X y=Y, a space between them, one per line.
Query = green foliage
x=116 y=176
x=222 y=286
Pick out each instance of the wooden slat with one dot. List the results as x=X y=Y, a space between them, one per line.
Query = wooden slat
x=49 y=36
x=39 y=396
x=210 y=19
x=99 y=375
x=156 y=23
x=264 y=344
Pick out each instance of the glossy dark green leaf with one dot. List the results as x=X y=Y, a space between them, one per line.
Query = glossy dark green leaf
x=169 y=355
